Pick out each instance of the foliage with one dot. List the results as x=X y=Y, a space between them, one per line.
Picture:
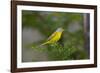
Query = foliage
x=58 y=52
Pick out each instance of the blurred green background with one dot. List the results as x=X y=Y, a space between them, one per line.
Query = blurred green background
x=37 y=26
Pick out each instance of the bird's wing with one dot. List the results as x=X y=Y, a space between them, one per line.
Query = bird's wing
x=54 y=34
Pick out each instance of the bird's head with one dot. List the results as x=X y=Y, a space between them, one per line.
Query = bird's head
x=60 y=29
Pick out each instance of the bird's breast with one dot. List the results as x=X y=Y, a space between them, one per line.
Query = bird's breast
x=58 y=35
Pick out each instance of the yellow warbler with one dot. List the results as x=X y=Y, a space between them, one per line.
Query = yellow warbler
x=54 y=37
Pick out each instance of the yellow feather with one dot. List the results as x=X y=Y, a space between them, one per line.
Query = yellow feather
x=53 y=38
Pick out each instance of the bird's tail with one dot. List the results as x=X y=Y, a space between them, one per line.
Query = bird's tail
x=41 y=45
x=44 y=43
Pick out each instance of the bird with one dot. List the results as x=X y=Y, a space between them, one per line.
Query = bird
x=55 y=37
